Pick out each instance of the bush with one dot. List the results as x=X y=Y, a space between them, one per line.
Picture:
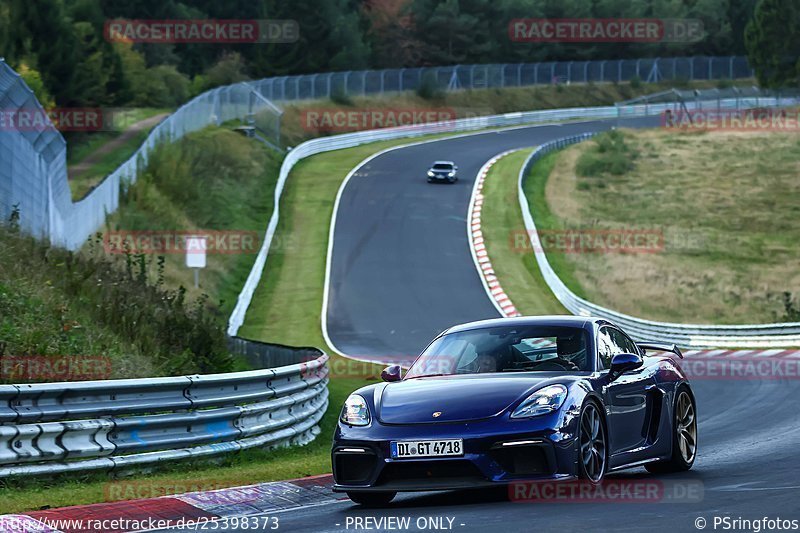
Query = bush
x=57 y=302
x=610 y=154
x=635 y=83
x=429 y=87
x=339 y=95
x=724 y=83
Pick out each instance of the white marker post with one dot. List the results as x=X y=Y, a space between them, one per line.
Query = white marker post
x=196 y=255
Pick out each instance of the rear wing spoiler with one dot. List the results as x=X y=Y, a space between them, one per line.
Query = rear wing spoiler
x=661 y=346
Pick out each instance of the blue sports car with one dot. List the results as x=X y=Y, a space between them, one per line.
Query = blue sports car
x=519 y=399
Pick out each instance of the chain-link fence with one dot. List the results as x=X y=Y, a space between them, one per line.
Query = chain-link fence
x=33 y=177
x=33 y=174
x=378 y=82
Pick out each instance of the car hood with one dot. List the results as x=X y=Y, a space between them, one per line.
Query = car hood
x=457 y=398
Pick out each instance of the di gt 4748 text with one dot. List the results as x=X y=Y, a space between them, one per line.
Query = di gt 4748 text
x=500 y=401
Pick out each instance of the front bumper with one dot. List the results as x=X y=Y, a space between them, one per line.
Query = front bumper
x=441 y=177
x=490 y=458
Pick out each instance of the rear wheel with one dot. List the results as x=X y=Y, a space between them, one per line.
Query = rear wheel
x=593 y=444
x=684 y=437
x=371 y=499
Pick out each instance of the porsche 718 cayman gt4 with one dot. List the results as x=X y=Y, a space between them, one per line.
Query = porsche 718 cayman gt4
x=521 y=399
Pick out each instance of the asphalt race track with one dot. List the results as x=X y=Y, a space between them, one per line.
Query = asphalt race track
x=747 y=464
x=401 y=269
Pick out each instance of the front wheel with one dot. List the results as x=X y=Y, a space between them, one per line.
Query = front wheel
x=593 y=445
x=684 y=437
x=371 y=499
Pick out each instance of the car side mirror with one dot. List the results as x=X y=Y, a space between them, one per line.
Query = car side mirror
x=625 y=362
x=391 y=373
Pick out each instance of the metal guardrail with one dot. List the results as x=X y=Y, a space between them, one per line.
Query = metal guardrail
x=63 y=427
x=690 y=335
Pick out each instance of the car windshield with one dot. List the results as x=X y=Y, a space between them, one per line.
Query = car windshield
x=443 y=166
x=505 y=349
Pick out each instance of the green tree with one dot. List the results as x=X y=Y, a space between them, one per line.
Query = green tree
x=773 y=42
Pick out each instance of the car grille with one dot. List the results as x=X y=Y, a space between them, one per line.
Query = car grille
x=522 y=460
x=426 y=472
x=353 y=468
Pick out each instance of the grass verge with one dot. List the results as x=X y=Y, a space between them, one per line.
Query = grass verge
x=287 y=304
x=724 y=203
x=507 y=240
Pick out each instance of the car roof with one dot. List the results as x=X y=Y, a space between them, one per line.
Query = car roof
x=547 y=320
x=443 y=163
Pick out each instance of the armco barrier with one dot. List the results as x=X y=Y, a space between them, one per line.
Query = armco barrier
x=61 y=427
x=691 y=335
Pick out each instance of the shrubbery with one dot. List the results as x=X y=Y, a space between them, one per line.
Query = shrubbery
x=610 y=154
x=54 y=302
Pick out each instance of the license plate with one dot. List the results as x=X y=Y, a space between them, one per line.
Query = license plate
x=427 y=448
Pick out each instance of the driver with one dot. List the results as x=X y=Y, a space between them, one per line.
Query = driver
x=573 y=350
x=485 y=363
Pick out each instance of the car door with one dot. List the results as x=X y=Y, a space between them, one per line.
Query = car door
x=627 y=396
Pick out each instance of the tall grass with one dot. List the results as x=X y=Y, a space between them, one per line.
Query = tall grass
x=54 y=302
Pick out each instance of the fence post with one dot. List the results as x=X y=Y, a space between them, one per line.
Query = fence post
x=519 y=75
x=347 y=82
x=402 y=70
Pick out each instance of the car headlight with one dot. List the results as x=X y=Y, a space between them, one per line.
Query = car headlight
x=355 y=411
x=451 y=174
x=430 y=173
x=542 y=402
